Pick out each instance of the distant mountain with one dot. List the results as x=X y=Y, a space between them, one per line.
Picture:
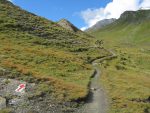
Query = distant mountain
x=132 y=28
x=100 y=24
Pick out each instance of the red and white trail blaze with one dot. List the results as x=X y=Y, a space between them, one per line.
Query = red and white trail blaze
x=21 y=88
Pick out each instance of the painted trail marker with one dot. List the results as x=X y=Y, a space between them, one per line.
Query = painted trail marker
x=21 y=88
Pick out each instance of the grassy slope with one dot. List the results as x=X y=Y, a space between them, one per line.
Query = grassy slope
x=127 y=77
x=127 y=81
x=39 y=48
x=127 y=32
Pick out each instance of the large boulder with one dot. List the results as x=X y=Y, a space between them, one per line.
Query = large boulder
x=2 y=103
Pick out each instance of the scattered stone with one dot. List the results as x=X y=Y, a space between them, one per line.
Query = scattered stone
x=15 y=101
x=21 y=103
x=94 y=89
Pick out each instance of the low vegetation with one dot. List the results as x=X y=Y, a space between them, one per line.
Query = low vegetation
x=35 y=49
x=128 y=31
x=126 y=78
x=7 y=110
x=127 y=81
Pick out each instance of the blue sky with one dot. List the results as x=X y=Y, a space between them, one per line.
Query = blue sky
x=82 y=13
x=57 y=9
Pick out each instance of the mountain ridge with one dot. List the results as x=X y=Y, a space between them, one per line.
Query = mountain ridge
x=100 y=24
x=131 y=16
x=128 y=29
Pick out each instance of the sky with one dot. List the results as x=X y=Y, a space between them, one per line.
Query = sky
x=82 y=13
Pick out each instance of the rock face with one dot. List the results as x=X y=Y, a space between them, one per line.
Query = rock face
x=67 y=25
x=135 y=16
x=101 y=24
x=2 y=103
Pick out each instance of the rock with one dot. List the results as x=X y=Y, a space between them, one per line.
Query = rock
x=15 y=101
x=2 y=103
x=8 y=87
x=32 y=111
x=94 y=89
x=67 y=25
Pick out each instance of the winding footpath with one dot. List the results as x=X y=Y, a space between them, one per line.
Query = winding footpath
x=97 y=101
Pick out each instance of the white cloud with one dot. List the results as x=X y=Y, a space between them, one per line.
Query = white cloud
x=112 y=10
x=91 y=16
x=10 y=0
x=145 y=4
x=83 y=28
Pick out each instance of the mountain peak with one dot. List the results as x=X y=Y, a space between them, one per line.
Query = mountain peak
x=100 y=24
x=67 y=25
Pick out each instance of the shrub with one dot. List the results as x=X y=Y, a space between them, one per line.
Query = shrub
x=6 y=110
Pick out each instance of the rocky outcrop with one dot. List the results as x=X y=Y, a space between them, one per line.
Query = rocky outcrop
x=67 y=25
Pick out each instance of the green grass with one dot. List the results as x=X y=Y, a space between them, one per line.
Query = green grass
x=126 y=78
x=125 y=86
x=15 y=19
x=60 y=66
x=126 y=34
x=35 y=49
x=6 y=110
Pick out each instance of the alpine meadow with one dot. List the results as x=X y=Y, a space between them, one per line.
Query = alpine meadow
x=51 y=66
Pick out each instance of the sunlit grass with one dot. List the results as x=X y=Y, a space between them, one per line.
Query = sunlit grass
x=128 y=87
x=68 y=72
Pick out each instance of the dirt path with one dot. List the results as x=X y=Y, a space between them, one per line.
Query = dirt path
x=97 y=101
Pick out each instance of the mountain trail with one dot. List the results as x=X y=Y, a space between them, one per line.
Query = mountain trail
x=97 y=100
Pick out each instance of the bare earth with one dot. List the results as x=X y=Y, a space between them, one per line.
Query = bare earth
x=96 y=102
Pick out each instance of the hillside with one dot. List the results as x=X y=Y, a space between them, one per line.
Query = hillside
x=127 y=77
x=19 y=20
x=100 y=24
x=40 y=51
x=131 y=29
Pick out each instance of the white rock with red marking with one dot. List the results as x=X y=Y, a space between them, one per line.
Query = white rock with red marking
x=21 y=88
